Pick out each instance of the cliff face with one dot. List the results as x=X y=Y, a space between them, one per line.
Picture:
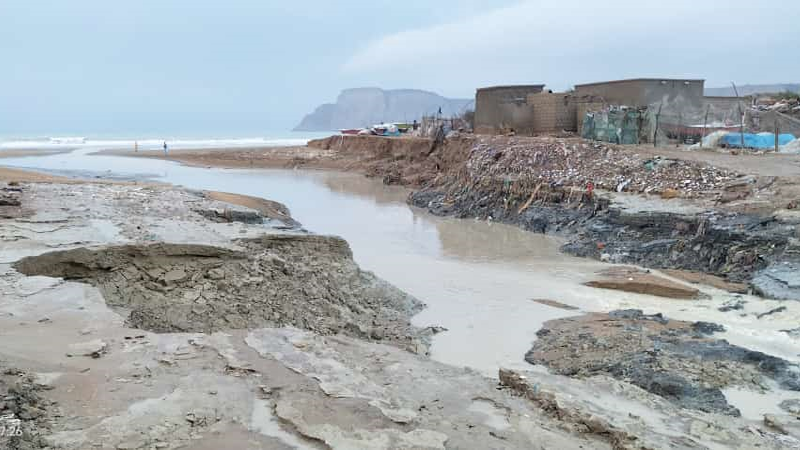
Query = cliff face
x=362 y=107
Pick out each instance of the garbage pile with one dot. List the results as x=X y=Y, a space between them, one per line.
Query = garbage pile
x=569 y=162
x=783 y=103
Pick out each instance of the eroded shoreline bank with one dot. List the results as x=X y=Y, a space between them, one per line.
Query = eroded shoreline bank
x=731 y=216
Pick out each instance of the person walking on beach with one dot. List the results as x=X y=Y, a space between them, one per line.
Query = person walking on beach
x=165 y=148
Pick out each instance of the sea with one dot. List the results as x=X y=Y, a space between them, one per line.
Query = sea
x=155 y=142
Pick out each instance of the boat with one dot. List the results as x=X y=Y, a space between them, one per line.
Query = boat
x=350 y=130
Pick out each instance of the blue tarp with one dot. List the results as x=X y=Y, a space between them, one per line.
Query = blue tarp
x=761 y=140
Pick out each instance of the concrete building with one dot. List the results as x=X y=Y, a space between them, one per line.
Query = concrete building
x=647 y=91
x=502 y=108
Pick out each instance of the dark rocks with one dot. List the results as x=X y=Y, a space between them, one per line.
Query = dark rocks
x=707 y=327
x=779 y=281
x=673 y=359
x=637 y=314
x=737 y=305
x=771 y=312
x=674 y=387
x=791 y=406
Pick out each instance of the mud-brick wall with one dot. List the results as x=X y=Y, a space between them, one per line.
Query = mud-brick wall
x=561 y=111
x=500 y=108
x=647 y=91
x=553 y=112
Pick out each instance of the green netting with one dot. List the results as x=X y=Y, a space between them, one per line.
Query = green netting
x=616 y=126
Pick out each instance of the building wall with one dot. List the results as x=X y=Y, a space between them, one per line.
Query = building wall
x=500 y=108
x=645 y=92
x=555 y=112
x=725 y=103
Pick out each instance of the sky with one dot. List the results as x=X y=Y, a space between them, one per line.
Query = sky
x=253 y=67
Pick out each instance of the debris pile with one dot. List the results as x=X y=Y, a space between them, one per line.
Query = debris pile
x=24 y=415
x=561 y=162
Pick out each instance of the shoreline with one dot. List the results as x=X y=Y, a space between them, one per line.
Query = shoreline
x=765 y=191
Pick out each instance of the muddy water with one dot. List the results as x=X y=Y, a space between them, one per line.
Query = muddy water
x=477 y=278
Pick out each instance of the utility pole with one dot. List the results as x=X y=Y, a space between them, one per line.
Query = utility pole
x=705 y=122
x=741 y=113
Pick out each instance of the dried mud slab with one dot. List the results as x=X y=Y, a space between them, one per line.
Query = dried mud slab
x=676 y=360
x=307 y=281
x=641 y=282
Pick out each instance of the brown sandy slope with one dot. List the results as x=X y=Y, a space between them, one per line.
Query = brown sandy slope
x=24 y=176
x=268 y=208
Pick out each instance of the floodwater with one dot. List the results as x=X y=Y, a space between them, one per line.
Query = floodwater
x=478 y=279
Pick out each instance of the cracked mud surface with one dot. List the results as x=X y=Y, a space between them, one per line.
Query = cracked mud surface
x=306 y=281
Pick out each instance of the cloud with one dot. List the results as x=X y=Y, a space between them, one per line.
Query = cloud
x=570 y=41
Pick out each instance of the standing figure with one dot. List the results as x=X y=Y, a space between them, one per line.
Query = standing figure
x=166 y=151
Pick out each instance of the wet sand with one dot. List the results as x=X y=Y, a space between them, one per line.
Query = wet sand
x=8 y=174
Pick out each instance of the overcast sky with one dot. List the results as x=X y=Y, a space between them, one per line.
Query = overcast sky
x=247 y=67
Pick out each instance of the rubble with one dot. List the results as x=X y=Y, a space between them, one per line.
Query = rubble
x=26 y=416
x=561 y=162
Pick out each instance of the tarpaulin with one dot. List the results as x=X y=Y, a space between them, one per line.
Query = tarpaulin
x=760 y=140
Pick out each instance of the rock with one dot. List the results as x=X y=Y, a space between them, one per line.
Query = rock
x=707 y=327
x=670 y=358
x=773 y=422
x=771 y=312
x=791 y=406
x=555 y=304
x=778 y=281
x=216 y=274
x=707 y=279
x=94 y=348
x=640 y=282
x=787 y=216
x=637 y=314
x=175 y=275
x=738 y=305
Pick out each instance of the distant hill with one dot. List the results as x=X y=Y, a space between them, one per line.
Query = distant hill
x=750 y=89
x=362 y=107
